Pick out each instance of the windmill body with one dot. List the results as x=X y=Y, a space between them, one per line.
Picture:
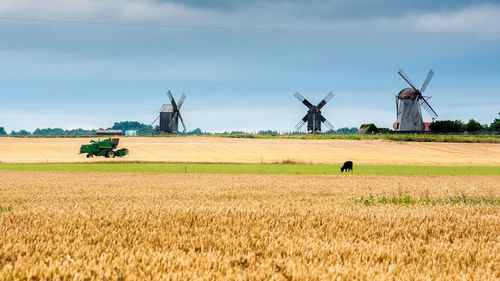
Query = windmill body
x=313 y=118
x=408 y=106
x=169 y=123
x=409 y=113
x=170 y=115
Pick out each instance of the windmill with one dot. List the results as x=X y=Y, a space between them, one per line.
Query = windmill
x=170 y=114
x=408 y=105
x=313 y=116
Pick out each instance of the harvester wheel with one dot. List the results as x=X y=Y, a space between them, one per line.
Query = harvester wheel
x=89 y=155
x=111 y=154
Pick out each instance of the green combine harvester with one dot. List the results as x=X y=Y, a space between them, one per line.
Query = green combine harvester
x=106 y=148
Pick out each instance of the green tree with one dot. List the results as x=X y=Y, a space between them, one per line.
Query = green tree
x=384 y=130
x=347 y=131
x=62 y=132
x=49 y=132
x=196 y=131
x=2 y=131
x=447 y=126
x=20 y=133
x=141 y=128
x=268 y=132
x=368 y=129
x=495 y=126
x=473 y=126
x=80 y=132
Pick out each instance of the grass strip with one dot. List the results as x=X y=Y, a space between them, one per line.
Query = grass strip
x=272 y=169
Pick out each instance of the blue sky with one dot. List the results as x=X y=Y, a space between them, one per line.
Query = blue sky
x=87 y=63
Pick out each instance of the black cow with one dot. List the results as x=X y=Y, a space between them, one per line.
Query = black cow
x=347 y=167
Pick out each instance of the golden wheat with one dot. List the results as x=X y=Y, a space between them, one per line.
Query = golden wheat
x=212 y=149
x=83 y=226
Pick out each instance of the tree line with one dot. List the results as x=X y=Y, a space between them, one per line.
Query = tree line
x=471 y=127
x=437 y=127
x=445 y=127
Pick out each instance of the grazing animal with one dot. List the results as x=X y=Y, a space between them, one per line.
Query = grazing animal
x=347 y=167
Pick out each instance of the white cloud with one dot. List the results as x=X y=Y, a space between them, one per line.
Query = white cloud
x=482 y=18
x=474 y=19
x=67 y=9
x=131 y=11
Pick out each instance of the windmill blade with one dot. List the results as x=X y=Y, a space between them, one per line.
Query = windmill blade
x=299 y=125
x=299 y=97
x=325 y=100
x=172 y=101
x=154 y=121
x=427 y=80
x=405 y=77
x=303 y=100
x=174 y=115
x=301 y=122
x=174 y=118
x=328 y=124
x=181 y=101
x=182 y=121
x=428 y=108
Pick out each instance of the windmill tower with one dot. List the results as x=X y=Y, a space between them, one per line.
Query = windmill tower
x=313 y=116
x=408 y=106
x=170 y=114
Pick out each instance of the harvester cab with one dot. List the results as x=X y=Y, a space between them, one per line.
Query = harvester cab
x=106 y=148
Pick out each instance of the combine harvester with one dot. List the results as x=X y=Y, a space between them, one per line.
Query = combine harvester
x=104 y=148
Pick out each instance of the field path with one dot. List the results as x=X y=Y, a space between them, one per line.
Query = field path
x=231 y=150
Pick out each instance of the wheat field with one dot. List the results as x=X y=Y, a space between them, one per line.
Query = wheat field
x=216 y=150
x=81 y=226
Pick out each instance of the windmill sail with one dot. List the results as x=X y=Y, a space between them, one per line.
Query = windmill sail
x=170 y=115
x=313 y=118
x=427 y=81
x=428 y=108
x=407 y=79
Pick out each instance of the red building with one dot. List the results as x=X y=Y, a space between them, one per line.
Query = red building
x=427 y=127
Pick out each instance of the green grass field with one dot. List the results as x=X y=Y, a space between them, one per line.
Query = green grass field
x=286 y=169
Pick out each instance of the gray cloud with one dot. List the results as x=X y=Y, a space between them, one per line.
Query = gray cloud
x=334 y=9
x=386 y=14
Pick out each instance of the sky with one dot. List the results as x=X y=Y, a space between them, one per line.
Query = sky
x=90 y=63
